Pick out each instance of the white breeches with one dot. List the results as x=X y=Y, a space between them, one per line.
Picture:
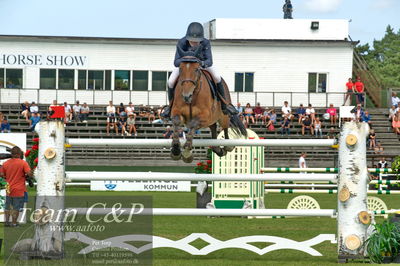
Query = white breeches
x=175 y=73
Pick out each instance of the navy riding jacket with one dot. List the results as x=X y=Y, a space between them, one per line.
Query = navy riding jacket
x=204 y=56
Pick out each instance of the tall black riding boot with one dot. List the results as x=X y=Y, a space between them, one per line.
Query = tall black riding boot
x=226 y=109
x=167 y=110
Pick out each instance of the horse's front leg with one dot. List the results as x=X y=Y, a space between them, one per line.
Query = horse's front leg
x=176 y=145
x=187 y=155
x=227 y=148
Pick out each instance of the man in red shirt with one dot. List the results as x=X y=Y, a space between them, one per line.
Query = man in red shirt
x=350 y=90
x=359 y=86
x=14 y=171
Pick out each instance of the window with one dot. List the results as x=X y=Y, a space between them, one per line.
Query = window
x=82 y=79
x=122 y=80
x=47 y=78
x=140 y=80
x=317 y=82
x=14 y=78
x=108 y=80
x=160 y=80
x=1 y=77
x=244 y=82
x=95 y=80
x=66 y=78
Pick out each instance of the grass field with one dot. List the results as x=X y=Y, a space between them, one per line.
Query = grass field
x=230 y=227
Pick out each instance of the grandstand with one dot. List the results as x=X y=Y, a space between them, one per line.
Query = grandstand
x=275 y=156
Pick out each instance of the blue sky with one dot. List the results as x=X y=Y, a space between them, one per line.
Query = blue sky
x=169 y=18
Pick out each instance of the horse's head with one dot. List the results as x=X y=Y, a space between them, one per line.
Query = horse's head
x=189 y=75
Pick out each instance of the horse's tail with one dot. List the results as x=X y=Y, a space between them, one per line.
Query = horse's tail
x=237 y=125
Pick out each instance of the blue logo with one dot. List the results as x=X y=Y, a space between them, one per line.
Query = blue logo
x=110 y=186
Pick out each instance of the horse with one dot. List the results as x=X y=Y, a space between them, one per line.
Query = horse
x=195 y=107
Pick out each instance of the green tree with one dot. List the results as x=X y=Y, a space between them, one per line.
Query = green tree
x=383 y=58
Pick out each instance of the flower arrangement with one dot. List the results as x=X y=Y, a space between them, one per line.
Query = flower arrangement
x=203 y=167
x=32 y=154
x=396 y=166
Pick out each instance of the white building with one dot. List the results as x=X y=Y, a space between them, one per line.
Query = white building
x=262 y=60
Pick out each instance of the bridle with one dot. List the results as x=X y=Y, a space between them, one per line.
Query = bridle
x=194 y=82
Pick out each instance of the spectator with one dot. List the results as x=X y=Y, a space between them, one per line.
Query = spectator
x=121 y=110
x=151 y=115
x=35 y=118
x=285 y=126
x=84 y=112
x=111 y=119
x=306 y=125
x=372 y=139
x=331 y=134
x=366 y=118
x=181 y=134
x=396 y=125
x=239 y=109
x=359 y=90
x=272 y=116
x=269 y=124
x=383 y=163
x=358 y=112
x=33 y=109
x=395 y=100
x=130 y=109
x=168 y=133
x=77 y=108
x=318 y=127
x=310 y=111
x=392 y=112
x=350 y=90
x=50 y=109
x=131 y=125
x=1 y=117
x=286 y=109
x=14 y=171
x=5 y=126
x=248 y=113
x=122 y=124
x=378 y=149
x=302 y=161
x=332 y=114
x=301 y=113
x=68 y=113
x=258 y=113
x=25 y=110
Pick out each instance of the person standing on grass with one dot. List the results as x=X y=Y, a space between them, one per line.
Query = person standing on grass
x=302 y=161
x=14 y=171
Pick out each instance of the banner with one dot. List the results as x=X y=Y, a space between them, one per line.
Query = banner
x=140 y=186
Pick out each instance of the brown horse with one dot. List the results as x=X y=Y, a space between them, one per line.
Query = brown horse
x=195 y=107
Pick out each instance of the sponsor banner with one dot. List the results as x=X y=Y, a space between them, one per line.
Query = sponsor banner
x=140 y=186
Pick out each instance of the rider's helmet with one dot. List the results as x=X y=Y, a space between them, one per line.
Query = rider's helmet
x=195 y=32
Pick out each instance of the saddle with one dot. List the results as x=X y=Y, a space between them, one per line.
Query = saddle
x=211 y=83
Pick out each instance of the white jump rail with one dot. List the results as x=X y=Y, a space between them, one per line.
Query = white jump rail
x=205 y=212
x=318 y=170
x=154 y=143
x=159 y=176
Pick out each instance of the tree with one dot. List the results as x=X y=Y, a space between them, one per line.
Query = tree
x=384 y=58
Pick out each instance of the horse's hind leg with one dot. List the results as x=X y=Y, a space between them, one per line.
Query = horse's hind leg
x=187 y=155
x=176 y=145
x=227 y=148
x=216 y=149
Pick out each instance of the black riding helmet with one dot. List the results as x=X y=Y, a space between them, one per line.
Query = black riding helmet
x=195 y=32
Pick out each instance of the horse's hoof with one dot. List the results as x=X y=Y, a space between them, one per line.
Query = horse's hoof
x=229 y=149
x=188 y=159
x=187 y=156
x=175 y=156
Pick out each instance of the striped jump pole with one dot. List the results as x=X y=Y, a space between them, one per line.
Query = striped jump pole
x=327 y=191
x=320 y=170
x=204 y=212
x=157 y=143
x=159 y=176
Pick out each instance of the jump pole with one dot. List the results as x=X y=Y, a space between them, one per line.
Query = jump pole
x=160 y=176
x=320 y=170
x=156 y=143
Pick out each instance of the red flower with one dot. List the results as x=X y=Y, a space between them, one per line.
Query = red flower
x=36 y=161
x=36 y=140
x=209 y=161
x=35 y=147
x=27 y=153
x=198 y=164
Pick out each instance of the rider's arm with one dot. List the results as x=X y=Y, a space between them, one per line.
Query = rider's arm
x=178 y=56
x=207 y=54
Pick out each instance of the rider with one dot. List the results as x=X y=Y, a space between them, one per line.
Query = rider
x=193 y=39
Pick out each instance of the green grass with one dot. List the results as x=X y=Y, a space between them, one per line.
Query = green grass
x=175 y=228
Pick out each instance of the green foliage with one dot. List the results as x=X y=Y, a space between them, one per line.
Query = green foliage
x=385 y=241
x=396 y=165
x=383 y=58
